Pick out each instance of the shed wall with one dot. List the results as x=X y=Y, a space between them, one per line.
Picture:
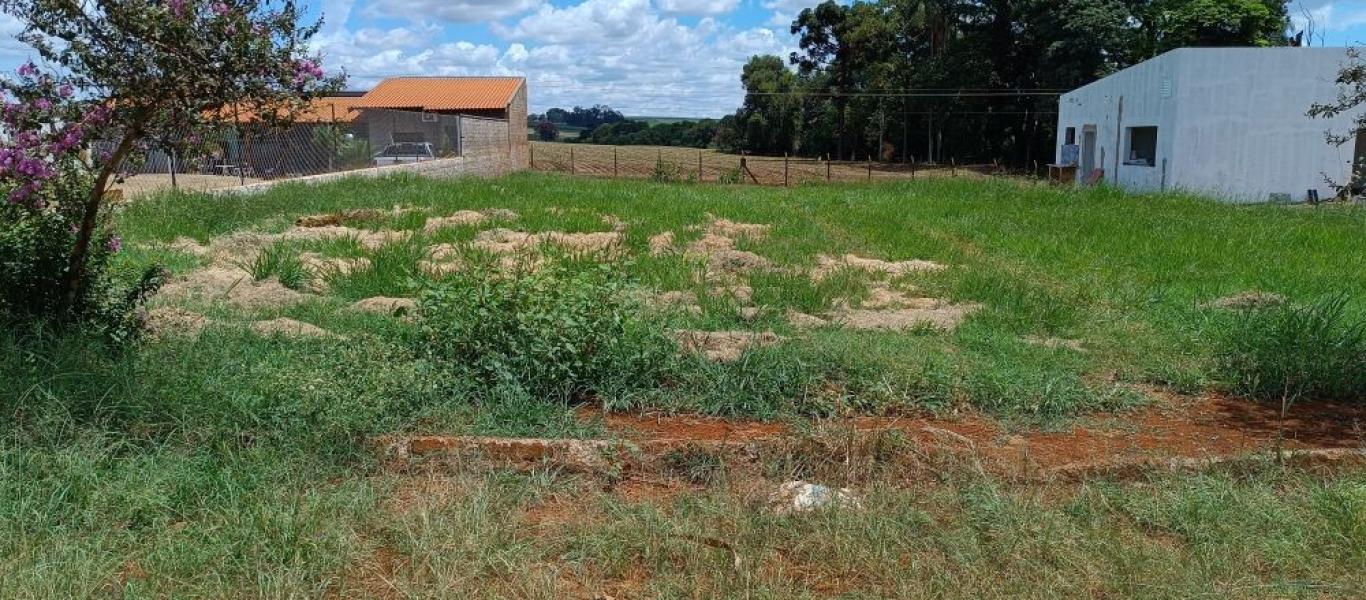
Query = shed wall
x=1231 y=121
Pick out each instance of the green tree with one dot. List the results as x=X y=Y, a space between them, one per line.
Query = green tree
x=172 y=67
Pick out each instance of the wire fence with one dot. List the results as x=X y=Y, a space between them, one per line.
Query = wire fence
x=663 y=163
x=338 y=143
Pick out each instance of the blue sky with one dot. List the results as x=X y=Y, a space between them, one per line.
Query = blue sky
x=644 y=57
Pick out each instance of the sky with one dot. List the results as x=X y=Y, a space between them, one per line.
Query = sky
x=643 y=57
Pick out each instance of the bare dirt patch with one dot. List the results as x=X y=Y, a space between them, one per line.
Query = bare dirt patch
x=338 y=218
x=507 y=241
x=322 y=265
x=724 y=346
x=468 y=217
x=169 y=321
x=367 y=238
x=801 y=320
x=827 y=265
x=1247 y=301
x=384 y=305
x=944 y=317
x=733 y=230
x=1056 y=342
x=291 y=328
x=231 y=284
x=661 y=243
x=1174 y=427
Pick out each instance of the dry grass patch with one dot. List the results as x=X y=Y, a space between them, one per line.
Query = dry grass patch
x=724 y=346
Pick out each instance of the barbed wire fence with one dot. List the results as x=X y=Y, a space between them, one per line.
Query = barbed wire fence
x=704 y=165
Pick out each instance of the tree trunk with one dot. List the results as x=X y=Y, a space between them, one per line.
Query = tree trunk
x=76 y=271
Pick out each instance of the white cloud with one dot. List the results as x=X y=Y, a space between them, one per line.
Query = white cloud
x=11 y=49
x=454 y=11
x=708 y=8
x=785 y=11
x=629 y=54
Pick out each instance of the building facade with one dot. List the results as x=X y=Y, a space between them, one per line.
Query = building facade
x=1224 y=122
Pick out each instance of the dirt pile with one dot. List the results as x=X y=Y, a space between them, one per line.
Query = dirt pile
x=507 y=241
x=723 y=346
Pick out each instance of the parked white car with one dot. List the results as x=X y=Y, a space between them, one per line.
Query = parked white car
x=404 y=152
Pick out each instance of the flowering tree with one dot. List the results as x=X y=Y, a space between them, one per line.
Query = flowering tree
x=129 y=71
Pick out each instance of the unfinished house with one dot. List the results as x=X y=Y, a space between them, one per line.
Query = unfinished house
x=1224 y=122
x=459 y=116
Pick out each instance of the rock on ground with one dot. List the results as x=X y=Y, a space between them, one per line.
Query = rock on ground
x=795 y=497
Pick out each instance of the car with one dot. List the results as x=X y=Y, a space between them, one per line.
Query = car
x=404 y=152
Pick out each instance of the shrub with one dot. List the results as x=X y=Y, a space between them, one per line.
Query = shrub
x=1288 y=352
x=559 y=333
x=35 y=249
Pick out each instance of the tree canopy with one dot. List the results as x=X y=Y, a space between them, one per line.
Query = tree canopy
x=967 y=79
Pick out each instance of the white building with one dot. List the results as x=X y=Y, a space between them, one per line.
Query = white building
x=1225 y=122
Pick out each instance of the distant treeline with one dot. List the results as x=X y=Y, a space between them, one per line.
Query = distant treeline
x=602 y=125
x=971 y=80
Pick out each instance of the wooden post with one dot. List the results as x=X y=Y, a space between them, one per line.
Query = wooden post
x=171 y=157
x=531 y=155
x=912 y=166
x=784 y=169
x=870 y=167
x=827 y=167
x=571 y=161
x=614 y=161
x=699 y=166
x=953 y=167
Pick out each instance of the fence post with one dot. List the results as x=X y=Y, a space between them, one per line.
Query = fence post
x=912 y=166
x=870 y=167
x=827 y=167
x=699 y=166
x=953 y=167
x=172 y=159
x=336 y=140
x=784 y=169
x=571 y=161
x=614 y=161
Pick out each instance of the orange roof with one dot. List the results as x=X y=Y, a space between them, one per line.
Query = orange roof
x=319 y=110
x=323 y=110
x=443 y=93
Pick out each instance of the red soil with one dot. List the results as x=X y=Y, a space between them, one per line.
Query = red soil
x=1173 y=427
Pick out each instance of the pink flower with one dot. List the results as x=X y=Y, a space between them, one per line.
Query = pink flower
x=114 y=244
x=219 y=8
x=65 y=91
x=28 y=69
x=177 y=7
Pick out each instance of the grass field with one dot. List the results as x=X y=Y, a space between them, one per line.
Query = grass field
x=233 y=452
x=667 y=163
